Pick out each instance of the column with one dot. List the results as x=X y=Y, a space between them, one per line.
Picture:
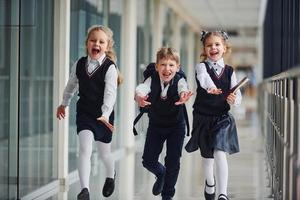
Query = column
x=127 y=88
x=61 y=74
x=157 y=28
x=176 y=30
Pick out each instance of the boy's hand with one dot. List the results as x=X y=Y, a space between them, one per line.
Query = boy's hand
x=214 y=91
x=141 y=100
x=106 y=123
x=61 y=112
x=184 y=97
x=231 y=98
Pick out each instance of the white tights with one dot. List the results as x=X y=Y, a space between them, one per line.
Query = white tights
x=86 y=139
x=221 y=172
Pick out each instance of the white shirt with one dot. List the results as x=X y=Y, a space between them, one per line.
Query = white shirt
x=110 y=90
x=206 y=82
x=144 y=88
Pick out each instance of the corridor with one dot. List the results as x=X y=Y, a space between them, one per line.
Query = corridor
x=247 y=169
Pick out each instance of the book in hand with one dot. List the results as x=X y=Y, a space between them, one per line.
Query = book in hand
x=240 y=84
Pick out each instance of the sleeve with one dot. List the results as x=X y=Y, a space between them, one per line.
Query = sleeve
x=144 y=88
x=71 y=87
x=110 y=91
x=182 y=86
x=238 y=99
x=203 y=77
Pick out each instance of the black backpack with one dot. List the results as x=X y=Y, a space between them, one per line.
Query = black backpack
x=150 y=69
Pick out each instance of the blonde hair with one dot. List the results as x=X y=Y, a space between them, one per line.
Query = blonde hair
x=167 y=52
x=203 y=56
x=110 y=52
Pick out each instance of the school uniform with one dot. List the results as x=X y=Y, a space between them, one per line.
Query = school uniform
x=88 y=77
x=166 y=123
x=214 y=127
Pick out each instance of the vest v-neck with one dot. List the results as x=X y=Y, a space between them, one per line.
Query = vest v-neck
x=218 y=76
x=90 y=74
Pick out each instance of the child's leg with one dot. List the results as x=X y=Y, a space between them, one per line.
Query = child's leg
x=208 y=169
x=104 y=151
x=221 y=171
x=84 y=162
x=152 y=149
x=172 y=160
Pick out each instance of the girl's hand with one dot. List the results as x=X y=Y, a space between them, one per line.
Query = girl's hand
x=61 y=112
x=106 y=123
x=184 y=97
x=141 y=100
x=214 y=91
x=231 y=98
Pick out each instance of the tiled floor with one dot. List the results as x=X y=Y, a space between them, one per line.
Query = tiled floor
x=247 y=171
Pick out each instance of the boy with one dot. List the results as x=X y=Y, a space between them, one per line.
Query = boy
x=164 y=92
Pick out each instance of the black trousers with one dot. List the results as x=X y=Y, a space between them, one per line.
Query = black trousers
x=155 y=139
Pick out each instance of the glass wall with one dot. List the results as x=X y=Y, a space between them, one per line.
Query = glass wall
x=9 y=38
x=36 y=164
x=26 y=81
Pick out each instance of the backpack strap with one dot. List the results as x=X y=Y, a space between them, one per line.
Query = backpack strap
x=186 y=120
x=138 y=117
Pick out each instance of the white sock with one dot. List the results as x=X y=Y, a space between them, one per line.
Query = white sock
x=208 y=168
x=104 y=151
x=84 y=162
x=221 y=171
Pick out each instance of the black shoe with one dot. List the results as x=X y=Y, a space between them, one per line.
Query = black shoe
x=209 y=196
x=166 y=198
x=222 y=197
x=84 y=194
x=159 y=184
x=109 y=186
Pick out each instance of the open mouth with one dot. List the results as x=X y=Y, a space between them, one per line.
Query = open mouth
x=214 y=53
x=95 y=51
x=167 y=75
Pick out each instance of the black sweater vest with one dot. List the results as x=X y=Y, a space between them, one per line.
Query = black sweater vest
x=164 y=112
x=91 y=87
x=210 y=104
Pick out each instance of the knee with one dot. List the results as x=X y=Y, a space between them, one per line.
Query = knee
x=173 y=164
x=104 y=157
x=85 y=151
x=146 y=163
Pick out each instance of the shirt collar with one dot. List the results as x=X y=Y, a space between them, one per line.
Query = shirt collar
x=99 y=60
x=219 y=63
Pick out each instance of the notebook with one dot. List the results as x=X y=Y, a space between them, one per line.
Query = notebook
x=240 y=84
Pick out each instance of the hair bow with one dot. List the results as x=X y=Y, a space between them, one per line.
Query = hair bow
x=203 y=35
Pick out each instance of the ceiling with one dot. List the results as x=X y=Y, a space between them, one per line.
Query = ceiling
x=227 y=14
x=240 y=18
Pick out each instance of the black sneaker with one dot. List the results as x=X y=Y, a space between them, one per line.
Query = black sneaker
x=109 y=186
x=159 y=184
x=84 y=194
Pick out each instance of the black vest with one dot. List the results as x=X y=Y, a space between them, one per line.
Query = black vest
x=164 y=112
x=91 y=87
x=210 y=104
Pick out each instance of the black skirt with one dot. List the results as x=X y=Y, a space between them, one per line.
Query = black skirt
x=213 y=132
x=100 y=131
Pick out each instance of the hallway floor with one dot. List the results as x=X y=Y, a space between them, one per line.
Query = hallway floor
x=247 y=169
